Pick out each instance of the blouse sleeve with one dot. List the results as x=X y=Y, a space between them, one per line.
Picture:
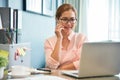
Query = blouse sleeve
x=50 y=62
x=80 y=40
x=77 y=62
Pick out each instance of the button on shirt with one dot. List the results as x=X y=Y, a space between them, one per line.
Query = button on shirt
x=71 y=55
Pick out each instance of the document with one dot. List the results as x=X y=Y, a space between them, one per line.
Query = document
x=0 y=22
x=41 y=77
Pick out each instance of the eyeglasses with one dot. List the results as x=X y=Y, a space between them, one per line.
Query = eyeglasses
x=68 y=20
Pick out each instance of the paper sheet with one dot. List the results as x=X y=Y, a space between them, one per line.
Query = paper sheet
x=41 y=77
x=0 y=23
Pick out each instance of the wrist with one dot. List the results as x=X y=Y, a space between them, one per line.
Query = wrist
x=59 y=39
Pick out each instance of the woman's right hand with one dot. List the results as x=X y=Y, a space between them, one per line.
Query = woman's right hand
x=58 y=30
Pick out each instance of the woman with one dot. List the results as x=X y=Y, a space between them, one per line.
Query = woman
x=63 y=50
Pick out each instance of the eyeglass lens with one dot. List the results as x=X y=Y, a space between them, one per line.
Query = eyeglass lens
x=65 y=20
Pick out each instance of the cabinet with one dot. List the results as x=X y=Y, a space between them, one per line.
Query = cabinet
x=21 y=60
x=11 y=21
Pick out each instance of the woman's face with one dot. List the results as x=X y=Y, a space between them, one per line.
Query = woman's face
x=68 y=20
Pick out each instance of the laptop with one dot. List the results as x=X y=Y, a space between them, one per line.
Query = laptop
x=98 y=59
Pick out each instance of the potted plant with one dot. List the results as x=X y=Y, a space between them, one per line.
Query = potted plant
x=3 y=64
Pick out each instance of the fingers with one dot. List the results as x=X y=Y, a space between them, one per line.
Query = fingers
x=59 y=27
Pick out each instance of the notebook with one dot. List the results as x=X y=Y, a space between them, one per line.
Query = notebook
x=98 y=59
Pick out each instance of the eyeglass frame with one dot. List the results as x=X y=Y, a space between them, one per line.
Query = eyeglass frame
x=72 y=21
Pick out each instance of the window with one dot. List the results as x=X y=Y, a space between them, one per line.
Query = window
x=103 y=20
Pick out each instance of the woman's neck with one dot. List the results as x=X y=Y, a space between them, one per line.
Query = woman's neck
x=66 y=34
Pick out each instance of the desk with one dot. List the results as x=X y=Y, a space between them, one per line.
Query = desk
x=58 y=74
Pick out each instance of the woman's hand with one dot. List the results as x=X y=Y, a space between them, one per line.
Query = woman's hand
x=69 y=66
x=58 y=30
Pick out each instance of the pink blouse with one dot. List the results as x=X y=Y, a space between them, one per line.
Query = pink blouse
x=71 y=55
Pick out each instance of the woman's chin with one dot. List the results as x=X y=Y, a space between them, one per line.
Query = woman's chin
x=67 y=31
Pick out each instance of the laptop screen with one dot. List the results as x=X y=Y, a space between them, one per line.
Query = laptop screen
x=100 y=58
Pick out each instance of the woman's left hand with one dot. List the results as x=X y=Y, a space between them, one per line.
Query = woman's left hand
x=69 y=66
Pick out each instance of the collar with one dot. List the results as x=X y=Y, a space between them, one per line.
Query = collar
x=71 y=35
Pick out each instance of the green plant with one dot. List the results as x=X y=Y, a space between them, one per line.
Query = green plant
x=3 y=62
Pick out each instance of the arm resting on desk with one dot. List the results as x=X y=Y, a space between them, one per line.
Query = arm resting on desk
x=69 y=66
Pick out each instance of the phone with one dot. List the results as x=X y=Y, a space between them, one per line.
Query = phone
x=44 y=69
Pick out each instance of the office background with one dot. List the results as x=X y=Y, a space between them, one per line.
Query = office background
x=35 y=29
x=98 y=20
